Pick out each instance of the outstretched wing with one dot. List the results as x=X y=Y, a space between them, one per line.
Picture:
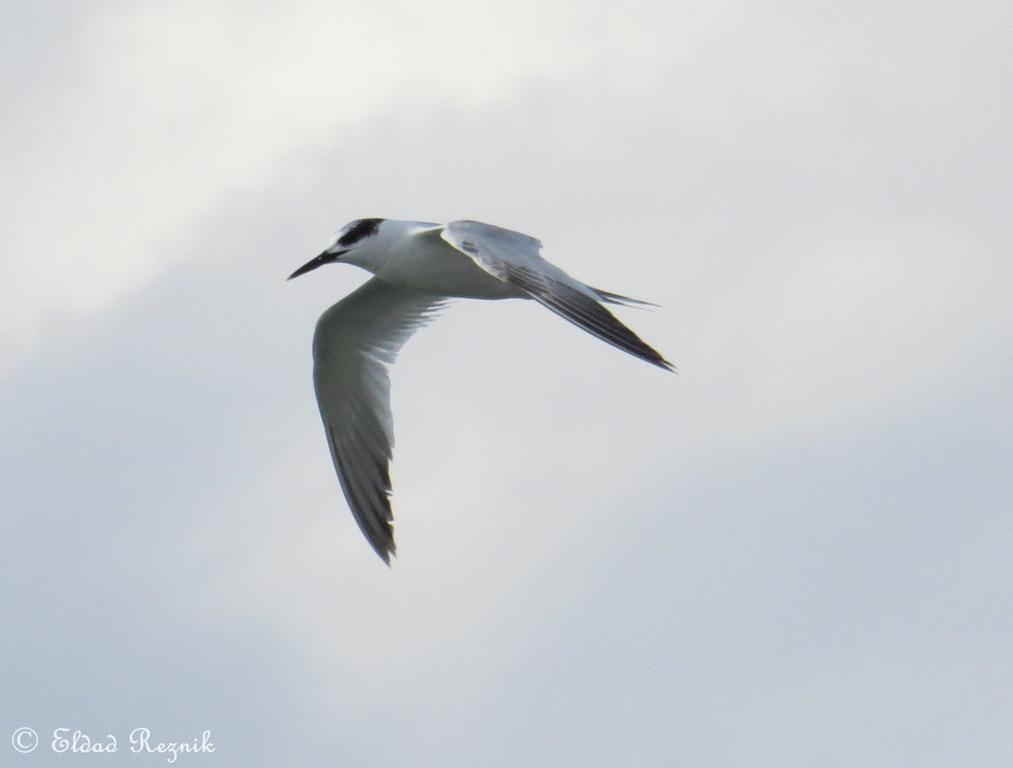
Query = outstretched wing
x=355 y=341
x=513 y=258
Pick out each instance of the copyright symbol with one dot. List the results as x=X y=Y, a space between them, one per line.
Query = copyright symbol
x=24 y=740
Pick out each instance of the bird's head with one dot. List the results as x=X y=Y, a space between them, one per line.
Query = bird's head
x=344 y=246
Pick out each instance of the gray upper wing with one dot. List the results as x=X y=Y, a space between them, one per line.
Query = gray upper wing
x=492 y=247
x=514 y=258
x=355 y=341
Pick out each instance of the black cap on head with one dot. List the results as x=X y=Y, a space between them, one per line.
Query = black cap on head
x=356 y=231
x=359 y=230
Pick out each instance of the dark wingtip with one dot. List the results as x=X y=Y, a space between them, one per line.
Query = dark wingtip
x=656 y=359
x=384 y=545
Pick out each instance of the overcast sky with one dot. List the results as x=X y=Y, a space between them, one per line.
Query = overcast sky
x=796 y=552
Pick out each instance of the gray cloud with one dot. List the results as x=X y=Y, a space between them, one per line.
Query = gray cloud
x=792 y=553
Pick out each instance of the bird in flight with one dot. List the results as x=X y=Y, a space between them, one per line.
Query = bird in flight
x=416 y=267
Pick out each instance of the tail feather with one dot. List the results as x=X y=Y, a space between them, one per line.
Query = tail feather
x=623 y=301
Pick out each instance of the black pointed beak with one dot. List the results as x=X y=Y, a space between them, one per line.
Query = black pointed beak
x=324 y=258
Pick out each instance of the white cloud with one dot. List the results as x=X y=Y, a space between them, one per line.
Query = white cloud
x=598 y=560
x=177 y=105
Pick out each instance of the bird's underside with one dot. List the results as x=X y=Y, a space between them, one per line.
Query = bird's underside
x=358 y=338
